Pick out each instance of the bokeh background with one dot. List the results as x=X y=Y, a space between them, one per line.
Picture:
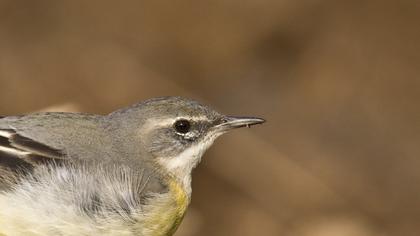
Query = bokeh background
x=338 y=82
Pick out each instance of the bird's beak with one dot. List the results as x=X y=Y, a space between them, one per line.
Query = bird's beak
x=232 y=122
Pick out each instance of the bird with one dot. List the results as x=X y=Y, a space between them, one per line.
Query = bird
x=124 y=173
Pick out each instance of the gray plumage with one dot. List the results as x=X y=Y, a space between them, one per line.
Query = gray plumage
x=120 y=167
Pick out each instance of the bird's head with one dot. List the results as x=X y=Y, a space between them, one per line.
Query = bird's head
x=177 y=131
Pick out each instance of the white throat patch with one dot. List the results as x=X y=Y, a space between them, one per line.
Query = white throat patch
x=182 y=165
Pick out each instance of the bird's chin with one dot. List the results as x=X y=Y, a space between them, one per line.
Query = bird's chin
x=182 y=164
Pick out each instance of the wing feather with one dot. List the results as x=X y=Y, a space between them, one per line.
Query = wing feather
x=17 y=151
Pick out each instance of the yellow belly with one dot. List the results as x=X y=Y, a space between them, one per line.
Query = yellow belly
x=166 y=211
x=159 y=217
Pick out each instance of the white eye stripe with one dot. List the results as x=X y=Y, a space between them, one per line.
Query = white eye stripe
x=171 y=121
x=152 y=124
x=194 y=118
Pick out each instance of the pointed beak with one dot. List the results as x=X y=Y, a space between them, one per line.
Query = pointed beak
x=232 y=122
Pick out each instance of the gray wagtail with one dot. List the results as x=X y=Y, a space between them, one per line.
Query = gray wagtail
x=126 y=173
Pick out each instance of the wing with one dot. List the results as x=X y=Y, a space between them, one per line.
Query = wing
x=18 y=151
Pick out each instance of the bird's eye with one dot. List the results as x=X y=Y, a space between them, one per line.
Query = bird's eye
x=182 y=126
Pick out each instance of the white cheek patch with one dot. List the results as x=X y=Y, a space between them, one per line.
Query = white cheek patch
x=183 y=164
x=187 y=159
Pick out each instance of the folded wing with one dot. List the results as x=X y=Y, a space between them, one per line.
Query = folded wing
x=18 y=151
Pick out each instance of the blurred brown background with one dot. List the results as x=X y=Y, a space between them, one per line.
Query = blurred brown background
x=338 y=82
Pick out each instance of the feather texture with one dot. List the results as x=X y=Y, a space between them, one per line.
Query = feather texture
x=89 y=199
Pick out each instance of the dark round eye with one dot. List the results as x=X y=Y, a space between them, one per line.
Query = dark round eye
x=182 y=126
